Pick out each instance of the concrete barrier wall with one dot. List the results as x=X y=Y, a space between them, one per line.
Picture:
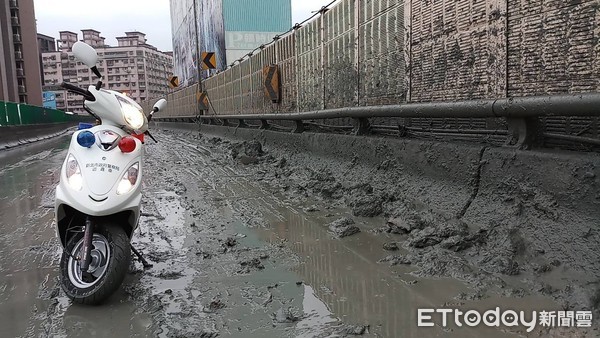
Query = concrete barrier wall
x=14 y=136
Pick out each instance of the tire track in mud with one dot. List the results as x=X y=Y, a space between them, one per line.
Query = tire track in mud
x=206 y=278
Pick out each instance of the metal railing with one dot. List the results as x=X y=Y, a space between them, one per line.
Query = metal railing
x=522 y=115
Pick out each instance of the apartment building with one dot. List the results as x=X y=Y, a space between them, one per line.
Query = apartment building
x=19 y=56
x=134 y=68
x=45 y=44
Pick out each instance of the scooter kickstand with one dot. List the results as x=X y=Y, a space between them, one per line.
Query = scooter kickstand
x=141 y=258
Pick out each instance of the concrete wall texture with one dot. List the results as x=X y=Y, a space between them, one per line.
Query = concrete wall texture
x=373 y=52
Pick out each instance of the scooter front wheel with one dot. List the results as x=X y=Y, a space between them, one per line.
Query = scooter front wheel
x=111 y=256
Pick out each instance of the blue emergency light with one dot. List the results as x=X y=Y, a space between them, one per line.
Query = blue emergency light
x=86 y=139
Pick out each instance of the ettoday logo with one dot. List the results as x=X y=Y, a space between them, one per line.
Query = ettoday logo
x=509 y=318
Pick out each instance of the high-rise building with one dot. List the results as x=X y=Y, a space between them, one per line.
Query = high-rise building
x=228 y=28
x=197 y=26
x=19 y=58
x=45 y=44
x=134 y=67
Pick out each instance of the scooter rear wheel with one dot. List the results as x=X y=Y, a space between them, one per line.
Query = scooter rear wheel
x=111 y=256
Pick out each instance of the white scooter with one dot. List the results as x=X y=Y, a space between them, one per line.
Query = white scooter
x=98 y=198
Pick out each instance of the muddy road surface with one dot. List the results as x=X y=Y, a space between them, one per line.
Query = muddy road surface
x=235 y=254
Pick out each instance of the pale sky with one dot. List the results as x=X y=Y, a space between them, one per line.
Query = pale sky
x=115 y=17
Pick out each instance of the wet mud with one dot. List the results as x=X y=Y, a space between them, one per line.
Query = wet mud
x=248 y=241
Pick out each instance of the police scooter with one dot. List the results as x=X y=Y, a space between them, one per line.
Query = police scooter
x=97 y=206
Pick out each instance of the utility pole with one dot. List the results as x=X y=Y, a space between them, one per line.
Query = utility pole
x=196 y=21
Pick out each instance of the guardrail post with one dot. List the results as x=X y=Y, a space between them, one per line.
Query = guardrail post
x=524 y=133
x=299 y=127
x=264 y=124
x=402 y=130
x=361 y=126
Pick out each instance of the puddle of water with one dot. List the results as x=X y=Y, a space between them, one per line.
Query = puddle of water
x=28 y=249
x=344 y=276
x=171 y=216
x=114 y=318
x=317 y=317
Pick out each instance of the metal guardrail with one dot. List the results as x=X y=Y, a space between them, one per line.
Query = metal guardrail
x=522 y=114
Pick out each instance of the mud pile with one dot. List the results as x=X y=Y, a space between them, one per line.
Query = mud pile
x=466 y=236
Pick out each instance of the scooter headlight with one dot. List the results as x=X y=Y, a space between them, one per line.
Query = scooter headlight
x=73 y=172
x=132 y=113
x=129 y=179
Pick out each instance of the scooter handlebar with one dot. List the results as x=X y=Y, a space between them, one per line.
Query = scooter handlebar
x=74 y=89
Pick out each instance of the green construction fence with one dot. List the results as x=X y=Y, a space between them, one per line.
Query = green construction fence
x=16 y=114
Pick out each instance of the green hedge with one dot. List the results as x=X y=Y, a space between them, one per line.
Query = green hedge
x=15 y=114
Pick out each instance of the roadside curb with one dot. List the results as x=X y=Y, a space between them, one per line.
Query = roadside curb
x=15 y=136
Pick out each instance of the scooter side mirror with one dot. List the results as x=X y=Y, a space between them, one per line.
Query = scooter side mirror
x=85 y=53
x=159 y=105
